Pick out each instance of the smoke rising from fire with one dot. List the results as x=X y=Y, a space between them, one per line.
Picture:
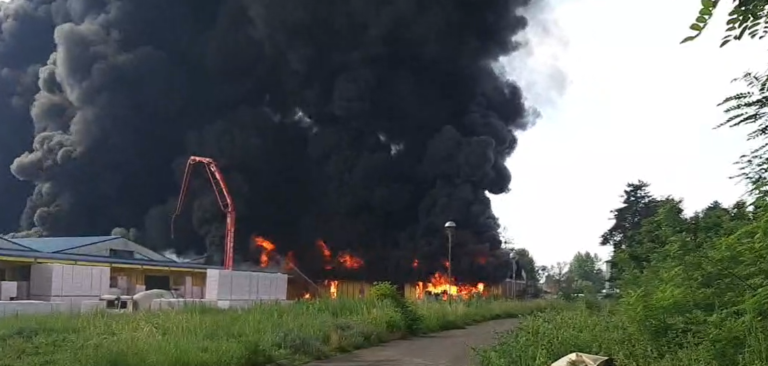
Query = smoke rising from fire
x=364 y=124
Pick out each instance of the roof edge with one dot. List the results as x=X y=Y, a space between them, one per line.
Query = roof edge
x=3 y=238
x=84 y=245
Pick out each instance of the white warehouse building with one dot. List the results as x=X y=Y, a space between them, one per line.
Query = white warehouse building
x=39 y=275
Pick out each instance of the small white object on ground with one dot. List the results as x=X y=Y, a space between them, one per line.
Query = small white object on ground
x=583 y=359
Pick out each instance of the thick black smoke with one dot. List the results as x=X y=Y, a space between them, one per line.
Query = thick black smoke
x=368 y=124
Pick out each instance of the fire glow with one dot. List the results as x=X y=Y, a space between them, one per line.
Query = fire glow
x=344 y=260
x=266 y=249
x=333 y=288
x=439 y=284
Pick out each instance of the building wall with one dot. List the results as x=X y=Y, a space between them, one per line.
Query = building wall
x=346 y=289
x=102 y=249
x=135 y=279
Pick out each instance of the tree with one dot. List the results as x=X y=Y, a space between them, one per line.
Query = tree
x=527 y=264
x=558 y=280
x=586 y=272
x=638 y=205
x=703 y=280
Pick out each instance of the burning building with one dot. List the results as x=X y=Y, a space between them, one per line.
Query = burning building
x=438 y=285
x=364 y=124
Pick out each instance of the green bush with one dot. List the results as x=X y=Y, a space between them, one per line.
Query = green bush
x=385 y=291
x=693 y=292
x=545 y=337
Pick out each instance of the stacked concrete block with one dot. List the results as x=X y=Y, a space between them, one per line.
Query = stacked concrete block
x=282 y=287
x=275 y=286
x=167 y=304
x=241 y=286
x=218 y=285
x=14 y=308
x=8 y=290
x=90 y=306
x=235 y=304
x=22 y=290
x=265 y=286
x=68 y=284
x=187 y=290
x=253 y=285
x=244 y=287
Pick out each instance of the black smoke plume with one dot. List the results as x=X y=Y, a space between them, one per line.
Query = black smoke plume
x=368 y=124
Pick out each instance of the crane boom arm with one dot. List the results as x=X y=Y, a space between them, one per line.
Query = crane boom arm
x=223 y=197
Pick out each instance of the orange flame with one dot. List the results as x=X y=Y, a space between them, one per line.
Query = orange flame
x=306 y=296
x=439 y=284
x=446 y=264
x=333 y=288
x=349 y=261
x=266 y=248
x=415 y=263
x=327 y=256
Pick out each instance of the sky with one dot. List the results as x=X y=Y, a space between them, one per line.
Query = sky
x=621 y=100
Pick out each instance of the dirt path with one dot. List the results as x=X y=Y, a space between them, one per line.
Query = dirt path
x=451 y=348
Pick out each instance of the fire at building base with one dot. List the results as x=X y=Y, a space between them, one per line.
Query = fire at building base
x=299 y=289
x=437 y=287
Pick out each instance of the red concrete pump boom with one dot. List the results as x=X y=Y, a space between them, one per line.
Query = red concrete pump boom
x=225 y=202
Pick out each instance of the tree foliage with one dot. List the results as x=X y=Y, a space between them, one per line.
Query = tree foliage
x=698 y=281
x=638 y=204
x=587 y=272
x=745 y=109
x=745 y=19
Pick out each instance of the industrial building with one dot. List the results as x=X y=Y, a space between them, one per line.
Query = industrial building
x=77 y=272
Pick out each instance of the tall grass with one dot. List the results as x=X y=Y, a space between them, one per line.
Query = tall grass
x=547 y=336
x=291 y=334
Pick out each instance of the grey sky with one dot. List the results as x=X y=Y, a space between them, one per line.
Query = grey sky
x=638 y=105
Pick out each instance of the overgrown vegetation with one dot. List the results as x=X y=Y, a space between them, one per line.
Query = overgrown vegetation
x=693 y=291
x=289 y=334
x=411 y=318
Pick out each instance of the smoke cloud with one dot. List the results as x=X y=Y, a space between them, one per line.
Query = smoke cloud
x=367 y=124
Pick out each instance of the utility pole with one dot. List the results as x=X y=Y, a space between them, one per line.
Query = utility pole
x=450 y=227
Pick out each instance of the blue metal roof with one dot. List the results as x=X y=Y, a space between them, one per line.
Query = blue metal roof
x=55 y=245
x=97 y=259
x=14 y=243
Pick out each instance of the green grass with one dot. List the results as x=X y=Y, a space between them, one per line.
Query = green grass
x=547 y=336
x=289 y=334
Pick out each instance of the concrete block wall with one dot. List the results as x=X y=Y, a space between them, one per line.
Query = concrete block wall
x=28 y=307
x=71 y=285
x=245 y=286
x=8 y=290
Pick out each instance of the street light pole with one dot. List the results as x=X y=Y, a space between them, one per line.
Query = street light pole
x=513 y=258
x=450 y=226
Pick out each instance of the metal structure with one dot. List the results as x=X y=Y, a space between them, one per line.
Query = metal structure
x=513 y=258
x=222 y=195
x=450 y=227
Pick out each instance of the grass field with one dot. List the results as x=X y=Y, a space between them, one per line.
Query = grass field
x=291 y=334
x=547 y=336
